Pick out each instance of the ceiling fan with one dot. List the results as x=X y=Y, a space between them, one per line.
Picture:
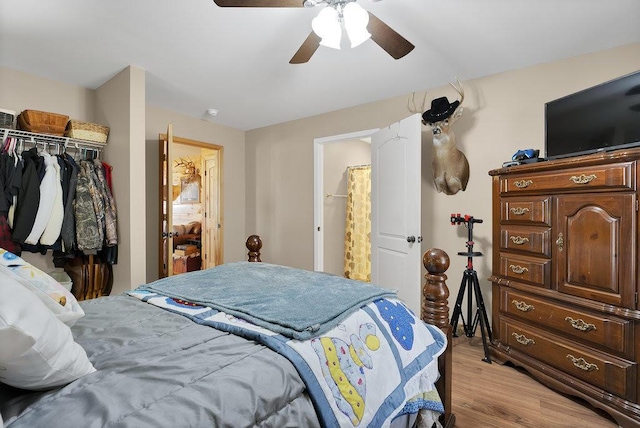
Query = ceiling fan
x=360 y=25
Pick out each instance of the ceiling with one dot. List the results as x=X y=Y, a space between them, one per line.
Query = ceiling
x=199 y=56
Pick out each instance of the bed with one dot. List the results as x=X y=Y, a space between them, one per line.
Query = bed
x=171 y=354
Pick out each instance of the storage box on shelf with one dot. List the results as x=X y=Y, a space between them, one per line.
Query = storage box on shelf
x=7 y=119
x=87 y=131
x=565 y=276
x=42 y=122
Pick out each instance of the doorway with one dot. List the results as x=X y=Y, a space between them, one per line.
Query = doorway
x=395 y=206
x=191 y=205
x=330 y=194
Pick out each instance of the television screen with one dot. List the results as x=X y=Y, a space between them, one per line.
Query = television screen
x=602 y=118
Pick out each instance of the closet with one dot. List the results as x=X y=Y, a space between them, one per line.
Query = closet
x=58 y=200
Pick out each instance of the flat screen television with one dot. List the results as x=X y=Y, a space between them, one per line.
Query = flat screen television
x=602 y=118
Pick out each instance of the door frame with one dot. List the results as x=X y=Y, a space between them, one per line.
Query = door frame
x=318 y=189
x=203 y=145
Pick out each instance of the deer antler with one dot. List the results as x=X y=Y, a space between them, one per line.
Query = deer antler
x=459 y=89
x=188 y=168
x=411 y=103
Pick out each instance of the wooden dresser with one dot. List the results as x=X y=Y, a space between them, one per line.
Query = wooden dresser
x=565 y=276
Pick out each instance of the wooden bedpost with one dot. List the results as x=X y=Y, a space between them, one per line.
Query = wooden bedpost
x=435 y=310
x=254 y=244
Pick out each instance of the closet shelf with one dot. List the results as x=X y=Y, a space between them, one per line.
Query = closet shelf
x=50 y=139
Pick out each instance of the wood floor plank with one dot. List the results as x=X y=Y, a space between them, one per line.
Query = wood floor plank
x=502 y=396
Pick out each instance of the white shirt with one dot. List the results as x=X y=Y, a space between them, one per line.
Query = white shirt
x=47 y=196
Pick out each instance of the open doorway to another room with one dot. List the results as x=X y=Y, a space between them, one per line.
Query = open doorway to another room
x=195 y=220
x=342 y=244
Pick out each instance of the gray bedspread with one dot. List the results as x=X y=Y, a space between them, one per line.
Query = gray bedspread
x=159 y=369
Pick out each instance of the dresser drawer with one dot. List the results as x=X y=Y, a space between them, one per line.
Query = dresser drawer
x=536 y=241
x=612 y=177
x=605 y=371
x=535 y=210
x=615 y=334
x=529 y=269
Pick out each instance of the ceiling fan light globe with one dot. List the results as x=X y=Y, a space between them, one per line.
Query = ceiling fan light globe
x=356 y=20
x=325 y=22
x=332 y=41
x=327 y=26
x=358 y=37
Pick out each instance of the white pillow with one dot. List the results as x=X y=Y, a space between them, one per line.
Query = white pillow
x=57 y=298
x=38 y=350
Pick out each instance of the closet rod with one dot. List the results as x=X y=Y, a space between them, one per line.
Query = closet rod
x=51 y=139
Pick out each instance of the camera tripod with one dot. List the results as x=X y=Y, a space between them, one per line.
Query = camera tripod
x=471 y=284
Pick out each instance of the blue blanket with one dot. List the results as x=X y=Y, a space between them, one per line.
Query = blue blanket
x=295 y=303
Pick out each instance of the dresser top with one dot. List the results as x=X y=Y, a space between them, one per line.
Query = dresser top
x=614 y=156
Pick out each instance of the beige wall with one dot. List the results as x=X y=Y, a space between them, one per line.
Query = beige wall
x=503 y=113
x=20 y=91
x=120 y=103
x=233 y=185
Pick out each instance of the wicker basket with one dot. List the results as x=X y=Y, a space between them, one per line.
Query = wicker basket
x=7 y=119
x=42 y=122
x=87 y=131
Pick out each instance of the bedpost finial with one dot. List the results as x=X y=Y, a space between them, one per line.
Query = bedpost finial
x=254 y=244
x=435 y=261
x=435 y=309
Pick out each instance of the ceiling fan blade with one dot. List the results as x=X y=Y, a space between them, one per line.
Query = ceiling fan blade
x=387 y=38
x=308 y=48
x=259 y=3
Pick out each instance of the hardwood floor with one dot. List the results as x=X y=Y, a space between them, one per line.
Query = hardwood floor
x=492 y=395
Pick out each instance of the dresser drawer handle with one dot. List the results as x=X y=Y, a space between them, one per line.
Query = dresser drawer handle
x=522 y=184
x=518 y=240
x=582 y=364
x=582 y=178
x=579 y=324
x=522 y=306
x=522 y=339
x=519 y=210
x=518 y=269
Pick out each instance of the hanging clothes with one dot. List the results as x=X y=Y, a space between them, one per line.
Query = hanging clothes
x=54 y=224
x=68 y=230
x=88 y=235
x=108 y=176
x=28 y=196
x=111 y=231
x=96 y=197
x=47 y=200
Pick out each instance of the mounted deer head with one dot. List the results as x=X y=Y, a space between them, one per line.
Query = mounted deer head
x=450 y=165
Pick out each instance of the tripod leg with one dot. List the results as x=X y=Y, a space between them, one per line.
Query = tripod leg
x=469 y=328
x=480 y=303
x=457 y=309
x=481 y=315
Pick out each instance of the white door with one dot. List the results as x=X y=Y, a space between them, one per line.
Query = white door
x=396 y=258
x=167 y=203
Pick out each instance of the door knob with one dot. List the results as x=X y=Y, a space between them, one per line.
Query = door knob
x=411 y=239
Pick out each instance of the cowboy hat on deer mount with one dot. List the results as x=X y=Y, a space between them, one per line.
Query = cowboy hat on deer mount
x=441 y=109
